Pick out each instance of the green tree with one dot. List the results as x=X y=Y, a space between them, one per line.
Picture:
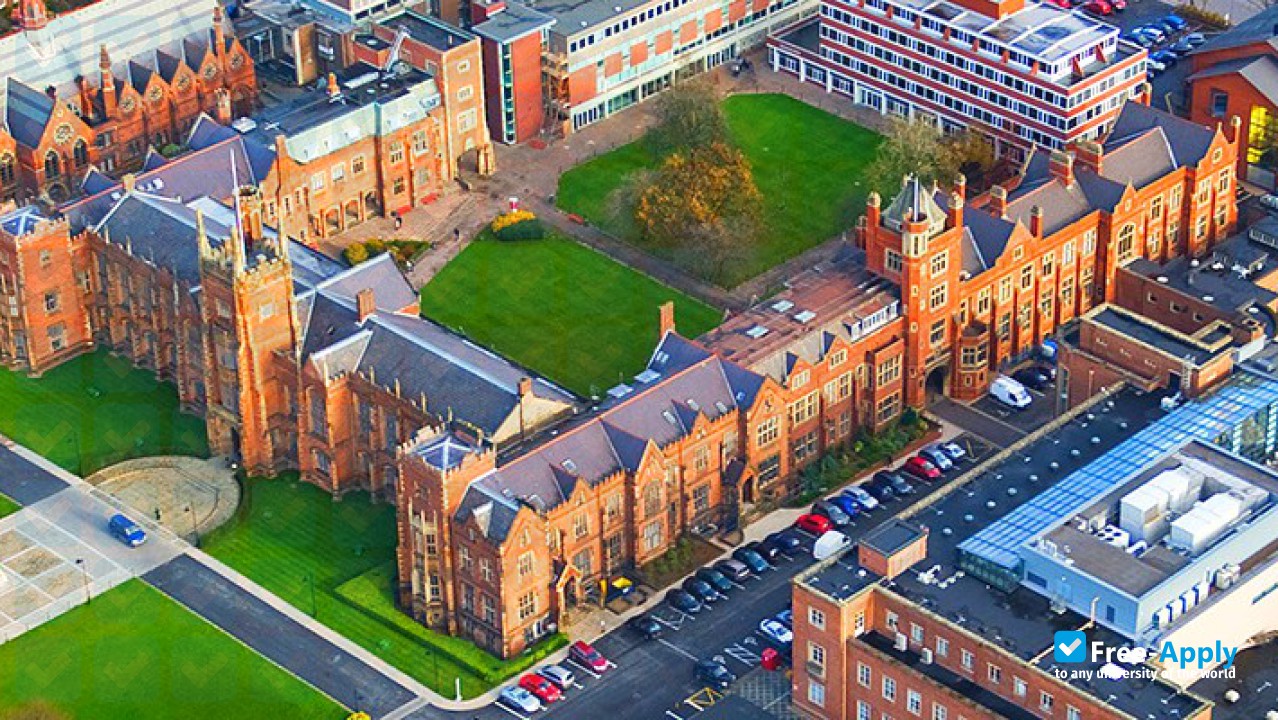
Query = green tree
x=915 y=147
x=688 y=116
x=699 y=193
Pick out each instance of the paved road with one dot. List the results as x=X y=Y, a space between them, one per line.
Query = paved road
x=289 y=644
x=24 y=482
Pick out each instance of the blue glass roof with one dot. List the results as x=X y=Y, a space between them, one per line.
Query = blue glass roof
x=1205 y=419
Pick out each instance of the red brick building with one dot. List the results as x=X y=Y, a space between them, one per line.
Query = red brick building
x=1235 y=74
x=62 y=119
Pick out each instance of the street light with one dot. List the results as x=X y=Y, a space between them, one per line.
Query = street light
x=84 y=574
x=195 y=530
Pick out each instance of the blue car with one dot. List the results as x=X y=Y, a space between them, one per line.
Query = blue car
x=846 y=504
x=126 y=531
x=1175 y=21
x=1166 y=57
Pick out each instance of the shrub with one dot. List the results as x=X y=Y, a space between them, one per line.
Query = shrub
x=524 y=230
x=356 y=253
x=402 y=250
x=508 y=219
x=1206 y=17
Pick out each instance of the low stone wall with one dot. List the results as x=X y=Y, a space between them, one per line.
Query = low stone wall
x=188 y=496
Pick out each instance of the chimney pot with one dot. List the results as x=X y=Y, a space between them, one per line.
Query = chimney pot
x=366 y=303
x=667 y=318
x=525 y=387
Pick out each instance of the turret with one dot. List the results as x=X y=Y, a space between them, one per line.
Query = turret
x=109 y=98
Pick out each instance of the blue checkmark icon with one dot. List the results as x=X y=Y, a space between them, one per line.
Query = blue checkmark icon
x=1070 y=647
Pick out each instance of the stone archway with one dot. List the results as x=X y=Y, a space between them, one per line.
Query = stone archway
x=937 y=383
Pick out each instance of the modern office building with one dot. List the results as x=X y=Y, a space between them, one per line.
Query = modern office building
x=1028 y=74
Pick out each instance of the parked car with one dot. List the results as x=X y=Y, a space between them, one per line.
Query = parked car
x=539 y=686
x=1270 y=201
x=1099 y=7
x=1154 y=31
x=701 y=590
x=715 y=674
x=562 y=678
x=1196 y=38
x=1177 y=22
x=1144 y=39
x=838 y=518
x=785 y=541
x=937 y=457
x=1168 y=25
x=684 y=601
x=862 y=497
x=587 y=656
x=126 y=531
x=895 y=482
x=1182 y=47
x=814 y=523
x=1010 y=392
x=846 y=504
x=1118 y=5
x=773 y=630
x=786 y=618
x=953 y=450
x=752 y=560
x=1164 y=56
x=517 y=698
x=717 y=580
x=920 y=468
x=881 y=491
x=1062 y=4
x=733 y=569
x=1032 y=377
x=646 y=627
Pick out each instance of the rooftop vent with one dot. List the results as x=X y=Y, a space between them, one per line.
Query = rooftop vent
x=723 y=409
x=782 y=305
x=669 y=416
x=570 y=466
x=647 y=376
x=1162 y=279
x=805 y=316
x=757 y=332
x=620 y=391
x=693 y=404
x=1208 y=298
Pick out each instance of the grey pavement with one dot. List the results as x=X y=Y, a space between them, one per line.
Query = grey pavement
x=24 y=483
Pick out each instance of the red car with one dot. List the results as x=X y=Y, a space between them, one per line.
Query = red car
x=921 y=469
x=816 y=524
x=541 y=687
x=1099 y=7
x=586 y=656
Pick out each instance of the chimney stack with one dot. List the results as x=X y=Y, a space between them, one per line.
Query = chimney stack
x=873 y=213
x=998 y=201
x=1036 y=222
x=667 y=318
x=525 y=387
x=334 y=90
x=222 y=110
x=365 y=303
x=1061 y=166
x=1090 y=154
x=129 y=180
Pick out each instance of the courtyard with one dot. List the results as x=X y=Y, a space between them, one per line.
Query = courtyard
x=96 y=410
x=334 y=560
x=806 y=163
x=133 y=653
x=574 y=315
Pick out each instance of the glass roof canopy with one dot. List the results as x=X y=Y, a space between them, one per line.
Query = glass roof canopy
x=1244 y=396
x=1044 y=32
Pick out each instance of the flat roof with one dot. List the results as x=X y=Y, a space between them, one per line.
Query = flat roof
x=513 y=22
x=429 y=31
x=893 y=536
x=1157 y=336
x=1137 y=574
x=1226 y=279
x=361 y=84
x=838 y=577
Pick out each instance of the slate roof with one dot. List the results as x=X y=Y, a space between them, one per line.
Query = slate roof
x=458 y=378
x=1187 y=141
x=693 y=382
x=1261 y=71
x=95 y=181
x=1255 y=29
x=26 y=112
x=161 y=230
x=916 y=201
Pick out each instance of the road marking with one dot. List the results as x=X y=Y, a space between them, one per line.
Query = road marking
x=511 y=710
x=674 y=624
x=585 y=669
x=737 y=585
x=671 y=714
x=677 y=649
x=746 y=657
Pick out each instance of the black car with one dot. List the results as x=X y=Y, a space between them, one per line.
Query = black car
x=717 y=579
x=785 y=541
x=1032 y=378
x=701 y=590
x=751 y=559
x=1048 y=370
x=733 y=569
x=684 y=601
x=715 y=674
x=881 y=490
x=894 y=481
x=647 y=627
x=766 y=551
x=838 y=518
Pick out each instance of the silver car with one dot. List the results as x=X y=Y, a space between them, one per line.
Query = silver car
x=558 y=675
x=517 y=698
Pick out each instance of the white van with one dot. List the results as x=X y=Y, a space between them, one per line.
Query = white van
x=1009 y=392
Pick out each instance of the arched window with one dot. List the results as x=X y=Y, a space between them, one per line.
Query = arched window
x=1126 y=242
x=81 y=154
x=52 y=166
x=8 y=169
x=652 y=498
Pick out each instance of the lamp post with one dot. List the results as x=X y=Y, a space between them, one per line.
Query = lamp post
x=84 y=575
x=195 y=530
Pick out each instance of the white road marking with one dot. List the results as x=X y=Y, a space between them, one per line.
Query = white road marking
x=677 y=649
x=584 y=669
x=511 y=710
x=671 y=714
x=742 y=655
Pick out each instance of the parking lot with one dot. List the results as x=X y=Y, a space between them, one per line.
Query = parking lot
x=1168 y=86
x=655 y=679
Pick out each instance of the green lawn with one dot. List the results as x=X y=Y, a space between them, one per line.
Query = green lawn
x=133 y=653
x=564 y=310
x=94 y=411
x=8 y=507
x=806 y=162
x=290 y=537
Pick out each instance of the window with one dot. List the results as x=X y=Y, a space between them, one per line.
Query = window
x=525 y=564
x=863 y=674
x=52 y=166
x=995 y=674
x=338 y=172
x=465 y=93
x=1073 y=713
x=892 y=261
x=940 y=712
x=889 y=407
x=889 y=689
x=701 y=499
x=889 y=370
x=57 y=337
x=584 y=562
x=357 y=165
x=936 y=336
x=1045 y=701
x=816 y=618
x=701 y=458
x=1067 y=253
x=466 y=121
x=1089 y=238
x=816 y=693
x=652 y=536
x=838 y=357
x=913 y=702
x=1219 y=103
x=652 y=498
x=983 y=302
x=463 y=66
x=8 y=169
x=397 y=152
x=968 y=660
x=580 y=525
x=1126 y=242
x=490 y=610
x=974 y=357
x=942 y=647
x=486 y=569
x=420 y=145
x=1048 y=265
x=1019 y=687
x=1005 y=290
x=939 y=295
x=317 y=181
x=51 y=301
x=805 y=408
x=800 y=379
x=1156 y=208
x=1027 y=277
x=916 y=632
x=397 y=185
x=767 y=432
x=80 y=153
x=527 y=606
x=940 y=263
x=864 y=711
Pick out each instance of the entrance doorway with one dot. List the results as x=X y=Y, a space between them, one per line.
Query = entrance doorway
x=937 y=383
